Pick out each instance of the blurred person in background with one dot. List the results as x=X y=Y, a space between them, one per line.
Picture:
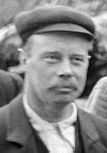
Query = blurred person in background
x=97 y=64
x=9 y=51
x=44 y=118
x=97 y=101
x=10 y=86
x=98 y=61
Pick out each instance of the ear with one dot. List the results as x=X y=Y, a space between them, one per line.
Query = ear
x=24 y=56
x=24 y=59
x=91 y=45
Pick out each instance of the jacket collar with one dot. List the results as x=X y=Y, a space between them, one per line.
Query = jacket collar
x=86 y=125
x=90 y=137
x=19 y=129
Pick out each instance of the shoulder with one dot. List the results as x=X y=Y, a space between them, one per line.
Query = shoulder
x=16 y=77
x=93 y=118
x=93 y=127
x=17 y=81
x=97 y=100
x=99 y=91
x=7 y=77
x=4 y=113
x=8 y=111
x=99 y=123
x=4 y=74
x=10 y=76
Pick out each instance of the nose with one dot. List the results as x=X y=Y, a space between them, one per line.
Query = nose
x=65 y=70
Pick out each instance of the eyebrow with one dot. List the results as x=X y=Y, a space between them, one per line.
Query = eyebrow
x=81 y=55
x=51 y=52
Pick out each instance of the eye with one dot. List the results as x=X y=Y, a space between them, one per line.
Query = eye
x=79 y=59
x=51 y=58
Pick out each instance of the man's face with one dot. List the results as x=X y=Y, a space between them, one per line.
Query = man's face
x=57 y=66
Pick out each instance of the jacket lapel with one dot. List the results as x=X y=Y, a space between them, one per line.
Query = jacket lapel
x=78 y=141
x=90 y=138
x=19 y=129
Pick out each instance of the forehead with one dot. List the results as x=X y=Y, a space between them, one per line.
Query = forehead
x=58 y=41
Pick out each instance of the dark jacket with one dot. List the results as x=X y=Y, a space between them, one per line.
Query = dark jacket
x=17 y=135
x=10 y=86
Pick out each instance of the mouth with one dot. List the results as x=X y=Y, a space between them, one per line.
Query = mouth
x=67 y=88
x=64 y=89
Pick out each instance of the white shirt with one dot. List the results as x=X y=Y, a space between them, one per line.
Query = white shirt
x=58 y=137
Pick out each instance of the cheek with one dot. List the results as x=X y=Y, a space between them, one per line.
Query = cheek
x=83 y=78
x=80 y=80
x=82 y=75
x=41 y=73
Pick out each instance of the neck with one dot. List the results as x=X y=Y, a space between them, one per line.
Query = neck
x=51 y=113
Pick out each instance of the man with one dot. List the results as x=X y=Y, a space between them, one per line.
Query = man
x=10 y=86
x=97 y=101
x=44 y=119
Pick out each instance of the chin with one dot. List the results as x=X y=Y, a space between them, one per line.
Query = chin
x=64 y=99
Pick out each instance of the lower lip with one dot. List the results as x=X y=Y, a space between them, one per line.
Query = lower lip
x=64 y=90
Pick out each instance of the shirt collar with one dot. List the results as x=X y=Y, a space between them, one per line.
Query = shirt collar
x=39 y=124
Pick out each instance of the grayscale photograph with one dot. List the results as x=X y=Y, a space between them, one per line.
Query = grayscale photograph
x=53 y=76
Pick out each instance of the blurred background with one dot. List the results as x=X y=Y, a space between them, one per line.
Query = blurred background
x=10 y=59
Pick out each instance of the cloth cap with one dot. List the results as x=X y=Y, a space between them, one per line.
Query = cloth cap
x=53 y=18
